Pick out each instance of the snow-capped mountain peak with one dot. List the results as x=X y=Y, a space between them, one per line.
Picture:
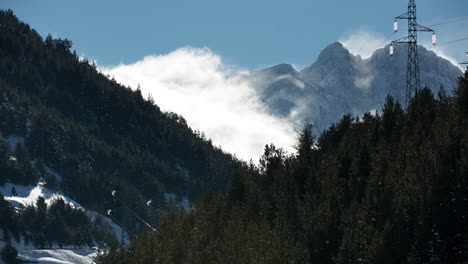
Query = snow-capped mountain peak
x=339 y=83
x=334 y=53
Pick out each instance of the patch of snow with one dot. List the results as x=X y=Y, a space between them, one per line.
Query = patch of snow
x=50 y=256
x=13 y=140
x=58 y=256
x=292 y=79
x=27 y=195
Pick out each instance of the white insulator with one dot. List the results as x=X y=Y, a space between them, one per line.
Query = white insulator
x=434 y=39
x=391 y=50
x=466 y=54
x=109 y=212
x=113 y=193
x=395 y=26
x=148 y=203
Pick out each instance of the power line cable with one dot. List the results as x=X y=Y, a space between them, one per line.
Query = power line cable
x=449 y=42
x=452 y=41
x=131 y=211
x=449 y=22
x=121 y=226
x=386 y=39
x=379 y=45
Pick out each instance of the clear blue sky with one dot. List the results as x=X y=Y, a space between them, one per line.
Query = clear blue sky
x=246 y=33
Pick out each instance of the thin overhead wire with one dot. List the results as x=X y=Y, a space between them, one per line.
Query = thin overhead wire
x=380 y=44
x=449 y=42
x=432 y=25
x=386 y=39
x=453 y=41
x=121 y=226
x=449 y=22
x=135 y=214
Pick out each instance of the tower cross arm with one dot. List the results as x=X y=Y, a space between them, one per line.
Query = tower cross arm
x=404 y=16
x=423 y=28
x=401 y=40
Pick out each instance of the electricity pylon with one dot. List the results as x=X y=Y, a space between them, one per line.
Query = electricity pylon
x=412 y=74
x=465 y=62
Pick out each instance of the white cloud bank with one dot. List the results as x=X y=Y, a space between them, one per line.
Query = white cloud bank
x=195 y=83
x=363 y=42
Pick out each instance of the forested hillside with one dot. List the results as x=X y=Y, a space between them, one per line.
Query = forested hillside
x=57 y=111
x=384 y=188
x=390 y=187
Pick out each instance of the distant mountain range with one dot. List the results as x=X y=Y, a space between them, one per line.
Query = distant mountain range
x=339 y=83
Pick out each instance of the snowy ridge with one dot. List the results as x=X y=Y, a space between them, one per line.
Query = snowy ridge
x=339 y=83
x=27 y=195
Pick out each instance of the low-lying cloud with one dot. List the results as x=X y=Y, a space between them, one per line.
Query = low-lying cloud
x=362 y=42
x=195 y=83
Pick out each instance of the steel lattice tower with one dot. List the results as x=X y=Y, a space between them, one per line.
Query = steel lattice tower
x=413 y=82
x=466 y=62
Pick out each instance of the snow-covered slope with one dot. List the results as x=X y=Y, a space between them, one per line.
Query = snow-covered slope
x=54 y=256
x=29 y=254
x=27 y=195
x=58 y=256
x=339 y=83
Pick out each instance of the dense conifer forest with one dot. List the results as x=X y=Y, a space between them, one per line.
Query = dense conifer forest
x=384 y=188
x=55 y=226
x=97 y=134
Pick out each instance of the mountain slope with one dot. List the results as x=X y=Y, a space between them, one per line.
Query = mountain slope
x=99 y=135
x=339 y=83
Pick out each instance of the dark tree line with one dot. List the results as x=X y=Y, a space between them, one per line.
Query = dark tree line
x=385 y=188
